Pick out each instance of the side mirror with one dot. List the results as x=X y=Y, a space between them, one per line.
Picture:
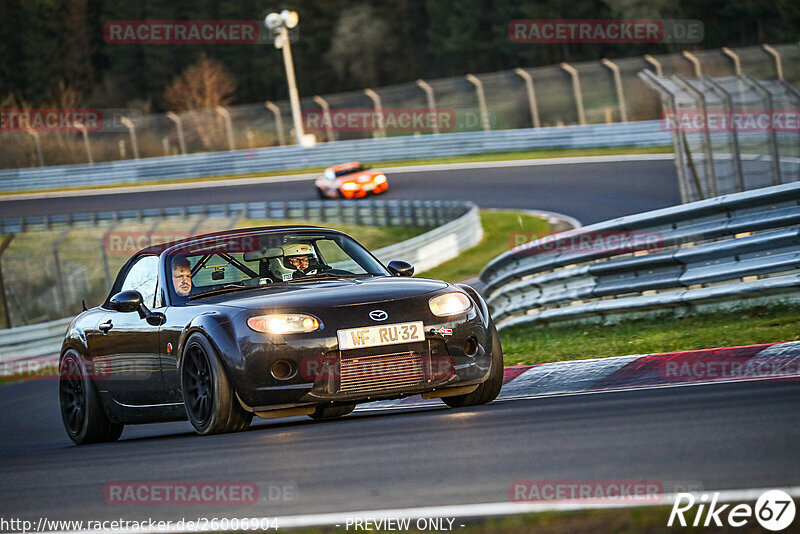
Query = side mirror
x=132 y=301
x=126 y=301
x=400 y=268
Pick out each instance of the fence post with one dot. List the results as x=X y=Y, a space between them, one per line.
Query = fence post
x=576 y=89
x=104 y=253
x=698 y=71
x=3 y=246
x=737 y=65
x=278 y=120
x=179 y=127
x=62 y=294
x=376 y=101
x=777 y=56
x=82 y=127
x=773 y=138
x=711 y=177
x=326 y=116
x=623 y=109
x=226 y=116
x=429 y=97
x=727 y=100
x=37 y=145
x=525 y=75
x=132 y=131
x=471 y=78
x=655 y=63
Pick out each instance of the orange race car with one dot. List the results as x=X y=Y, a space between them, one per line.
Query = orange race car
x=350 y=180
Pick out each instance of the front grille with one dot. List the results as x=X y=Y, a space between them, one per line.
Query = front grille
x=381 y=372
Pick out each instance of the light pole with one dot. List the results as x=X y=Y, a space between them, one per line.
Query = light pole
x=280 y=24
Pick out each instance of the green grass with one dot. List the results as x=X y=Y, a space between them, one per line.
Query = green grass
x=541 y=343
x=493 y=156
x=500 y=230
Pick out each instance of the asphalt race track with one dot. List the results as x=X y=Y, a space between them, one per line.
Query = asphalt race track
x=722 y=436
x=590 y=192
x=713 y=437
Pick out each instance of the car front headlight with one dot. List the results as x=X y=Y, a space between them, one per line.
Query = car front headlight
x=283 y=323
x=379 y=179
x=350 y=186
x=449 y=304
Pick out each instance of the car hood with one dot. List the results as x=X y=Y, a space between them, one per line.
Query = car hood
x=328 y=293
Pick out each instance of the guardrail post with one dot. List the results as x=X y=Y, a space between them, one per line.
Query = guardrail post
x=623 y=109
x=526 y=76
x=773 y=138
x=226 y=116
x=698 y=71
x=62 y=294
x=471 y=78
x=655 y=63
x=737 y=65
x=711 y=177
x=727 y=100
x=132 y=131
x=82 y=127
x=37 y=146
x=179 y=127
x=376 y=101
x=576 y=90
x=429 y=97
x=278 y=121
x=104 y=254
x=3 y=246
x=777 y=57
x=326 y=117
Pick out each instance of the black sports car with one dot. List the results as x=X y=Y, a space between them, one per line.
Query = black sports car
x=276 y=322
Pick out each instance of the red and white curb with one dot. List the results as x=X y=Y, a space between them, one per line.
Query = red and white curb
x=749 y=362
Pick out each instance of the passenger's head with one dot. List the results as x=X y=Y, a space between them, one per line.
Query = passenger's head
x=182 y=276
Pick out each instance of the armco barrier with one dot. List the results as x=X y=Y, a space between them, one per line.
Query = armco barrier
x=462 y=231
x=720 y=252
x=644 y=133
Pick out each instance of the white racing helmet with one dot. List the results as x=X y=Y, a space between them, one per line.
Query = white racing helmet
x=284 y=270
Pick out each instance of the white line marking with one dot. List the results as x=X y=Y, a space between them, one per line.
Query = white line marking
x=462 y=511
x=233 y=182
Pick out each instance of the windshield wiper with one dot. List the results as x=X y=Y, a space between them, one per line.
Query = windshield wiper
x=325 y=276
x=227 y=288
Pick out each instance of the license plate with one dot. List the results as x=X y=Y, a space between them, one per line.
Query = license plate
x=377 y=336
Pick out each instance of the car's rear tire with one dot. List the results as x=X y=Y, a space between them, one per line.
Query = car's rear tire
x=211 y=404
x=81 y=411
x=331 y=412
x=489 y=389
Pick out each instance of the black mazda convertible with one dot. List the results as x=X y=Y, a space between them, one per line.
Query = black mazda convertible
x=273 y=322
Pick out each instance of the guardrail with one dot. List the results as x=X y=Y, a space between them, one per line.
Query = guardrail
x=643 y=133
x=459 y=229
x=742 y=248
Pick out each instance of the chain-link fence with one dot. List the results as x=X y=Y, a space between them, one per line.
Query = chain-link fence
x=589 y=92
x=731 y=133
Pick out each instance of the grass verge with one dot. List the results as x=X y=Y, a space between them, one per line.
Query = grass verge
x=492 y=156
x=541 y=343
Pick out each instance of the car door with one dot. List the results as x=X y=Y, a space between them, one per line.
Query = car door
x=126 y=346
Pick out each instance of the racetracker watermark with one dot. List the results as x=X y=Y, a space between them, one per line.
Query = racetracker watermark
x=605 y=31
x=191 y=493
x=47 y=368
x=126 y=243
x=376 y=368
x=578 y=241
x=736 y=120
x=388 y=119
x=46 y=120
x=183 y=32
x=586 y=491
x=683 y=368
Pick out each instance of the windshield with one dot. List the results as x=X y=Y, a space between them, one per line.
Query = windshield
x=265 y=259
x=351 y=170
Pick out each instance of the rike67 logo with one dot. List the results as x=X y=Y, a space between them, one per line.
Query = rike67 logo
x=774 y=510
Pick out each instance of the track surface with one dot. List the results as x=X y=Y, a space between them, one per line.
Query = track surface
x=724 y=436
x=590 y=192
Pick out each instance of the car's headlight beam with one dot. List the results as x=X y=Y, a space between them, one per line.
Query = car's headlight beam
x=449 y=304
x=283 y=323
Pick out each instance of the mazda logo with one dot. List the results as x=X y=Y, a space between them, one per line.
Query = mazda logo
x=378 y=315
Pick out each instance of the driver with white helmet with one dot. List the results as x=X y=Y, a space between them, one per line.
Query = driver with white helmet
x=299 y=256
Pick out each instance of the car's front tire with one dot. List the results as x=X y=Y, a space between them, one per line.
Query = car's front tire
x=331 y=412
x=81 y=412
x=489 y=389
x=211 y=404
